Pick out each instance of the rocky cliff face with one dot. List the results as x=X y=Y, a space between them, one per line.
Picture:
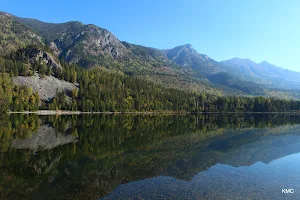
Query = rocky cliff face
x=76 y=42
x=43 y=57
x=90 y=41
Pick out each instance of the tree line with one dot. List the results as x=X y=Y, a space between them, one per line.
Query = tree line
x=103 y=90
x=16 y=97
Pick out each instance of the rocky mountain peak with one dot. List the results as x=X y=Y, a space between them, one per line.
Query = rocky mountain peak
x=6 y=14
x=188 y=57
x=240 y=61
x=90 y=41
x=77 y=42
x=265 y=63
x=188 y=46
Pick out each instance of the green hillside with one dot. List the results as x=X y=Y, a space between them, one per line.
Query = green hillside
x=111 y=75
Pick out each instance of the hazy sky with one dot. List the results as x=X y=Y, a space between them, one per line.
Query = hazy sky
x=256 y=29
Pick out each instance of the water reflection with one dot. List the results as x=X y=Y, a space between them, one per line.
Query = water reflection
x=124 y=156
x=259 y=181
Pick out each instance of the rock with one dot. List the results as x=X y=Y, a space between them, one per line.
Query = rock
x=46 y=87
x=92 y=41
x=54 y=48
x=41 y=56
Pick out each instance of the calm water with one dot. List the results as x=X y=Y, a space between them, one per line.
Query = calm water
x=149 y=157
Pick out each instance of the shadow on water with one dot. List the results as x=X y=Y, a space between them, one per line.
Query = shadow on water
x=157 y=157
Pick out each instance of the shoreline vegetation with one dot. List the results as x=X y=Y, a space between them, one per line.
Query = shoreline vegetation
x=68 y=112
x=100 y=91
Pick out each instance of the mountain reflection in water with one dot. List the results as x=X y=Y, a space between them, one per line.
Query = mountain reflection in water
x=149 y=156
x=255 y=175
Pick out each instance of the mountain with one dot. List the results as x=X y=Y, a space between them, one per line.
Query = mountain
x=90 y=46
x=245 y=66
x=264 y=72
x=188 y=57
x=14 y=35
x=76 y=42
x=202 y=65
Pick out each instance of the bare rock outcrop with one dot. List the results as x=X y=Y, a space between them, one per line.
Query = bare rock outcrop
x=37 y=55
x=46 y=87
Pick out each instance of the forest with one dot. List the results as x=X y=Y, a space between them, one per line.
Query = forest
x=102 y=90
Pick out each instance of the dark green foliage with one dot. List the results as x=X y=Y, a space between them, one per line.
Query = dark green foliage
x=16 y=98
x=14 y=35
x=226 y=79
x=49 y=31
x=90 y=46
x=22 y=63
x=101 y=90
x=11 y=127
x=104 y=91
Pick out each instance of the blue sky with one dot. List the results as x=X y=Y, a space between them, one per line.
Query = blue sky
x=256 y=29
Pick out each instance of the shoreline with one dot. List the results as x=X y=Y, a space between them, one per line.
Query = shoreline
x=68 y=112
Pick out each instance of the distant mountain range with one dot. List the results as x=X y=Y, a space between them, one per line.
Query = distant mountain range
x=181 y=67
x=263 y=72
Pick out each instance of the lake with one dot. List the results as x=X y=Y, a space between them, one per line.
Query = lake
x=215 y=156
